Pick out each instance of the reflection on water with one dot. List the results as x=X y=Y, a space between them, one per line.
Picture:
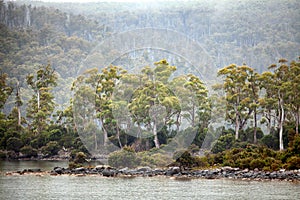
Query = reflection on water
x=20 y=165
x=97 y=187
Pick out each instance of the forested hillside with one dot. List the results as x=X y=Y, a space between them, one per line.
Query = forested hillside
x=64 y=34
x=59 y=62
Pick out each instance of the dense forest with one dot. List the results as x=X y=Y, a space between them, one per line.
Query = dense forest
x=112 y=78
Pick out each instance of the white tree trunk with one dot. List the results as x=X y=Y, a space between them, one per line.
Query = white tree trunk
x=237 y=126
x=19 y=116
x=281 y=127
x=156 y=141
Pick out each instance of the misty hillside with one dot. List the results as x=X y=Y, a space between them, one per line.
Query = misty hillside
x=201 y=35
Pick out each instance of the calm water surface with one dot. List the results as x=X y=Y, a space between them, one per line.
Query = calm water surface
x=97 y=187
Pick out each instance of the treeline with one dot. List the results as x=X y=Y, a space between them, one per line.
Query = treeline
x=231 y=32
x=113 y=108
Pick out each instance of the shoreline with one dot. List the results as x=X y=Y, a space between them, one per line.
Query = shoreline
x=175 y=173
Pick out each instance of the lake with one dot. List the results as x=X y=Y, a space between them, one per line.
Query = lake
x=98 y=187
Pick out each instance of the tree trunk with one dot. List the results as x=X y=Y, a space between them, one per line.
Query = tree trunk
x=156 y=141
x=281 y=126
x=19 y=116
x=237 y=126
x=118 y=136
x=255 y=127
x=105 y=135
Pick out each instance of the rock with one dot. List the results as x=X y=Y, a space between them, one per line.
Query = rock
x=144 y=169
x=79 y=170
x=123 y=170
x=282 y=170
x=273 y=175
x=58 y=170
x=227 y=169
x=108 y=172
x=172 y=171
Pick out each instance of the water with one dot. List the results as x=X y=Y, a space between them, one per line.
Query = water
x=97 y=187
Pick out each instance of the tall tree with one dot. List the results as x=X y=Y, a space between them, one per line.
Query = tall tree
x=153 y=103
x=5 y=90
x=238 y=99
x=96 y=89
x=281 y=90
x=41 y=105
x=294 y=95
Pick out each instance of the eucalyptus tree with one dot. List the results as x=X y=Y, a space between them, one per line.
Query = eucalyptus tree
x=239 y=94
x=154 y=103
x=5 y=89
x=41 y=105
x=281 y=92
x=294 y=95
x=94 y=91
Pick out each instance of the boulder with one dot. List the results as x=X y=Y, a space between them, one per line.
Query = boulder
x=58 y=170
x=172 y=171
x=144 y=169
x=108 y=172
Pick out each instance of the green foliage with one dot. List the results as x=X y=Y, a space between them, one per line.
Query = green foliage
x=14 y=144
x=123 y=158
x=293 y=163
x=29 y=152
x=51 y=148
x=80 y=158
x=257 y=163
x=270 y=141
x=153 y=159
x=41 y=105
x=223 y=143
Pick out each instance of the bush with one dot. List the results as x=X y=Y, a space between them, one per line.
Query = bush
x=186 y=160
x=124 y=158
x=156 y=159
x=270 y=141
x=257 y=163
x=223 y=143
x=14 y=144
x=29 y=152
x=244 y=163
x=80 y=158
x=293 y=163
x=201 y=161
x=51 y=149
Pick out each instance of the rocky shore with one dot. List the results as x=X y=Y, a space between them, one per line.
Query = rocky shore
x=174 y=172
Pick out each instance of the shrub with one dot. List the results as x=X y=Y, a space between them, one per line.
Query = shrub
x=244 y=163
x=51 y=148
x=124 y=158
x=270 y=141
x=29 y=152
x=257 y=163
x=14 y=144
x=150 y=159
x=201 y=161
x=186 y=160
x=223 y=143
x=80 y=158
x=293 y=163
